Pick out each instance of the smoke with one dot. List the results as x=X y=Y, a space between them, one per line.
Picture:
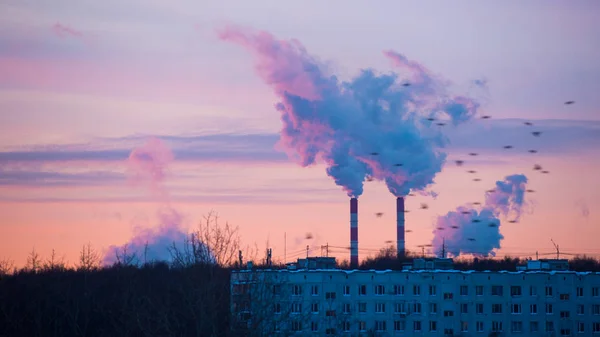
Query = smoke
x=372 y=126
x=584 y=210
x=147 y=167
x=477 y=231
x=64 y=31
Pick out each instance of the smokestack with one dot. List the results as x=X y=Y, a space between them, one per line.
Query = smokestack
x=400 y=244
x=354 y=232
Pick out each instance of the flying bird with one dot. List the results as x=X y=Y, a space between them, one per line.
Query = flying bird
x=459 y=162
x=466 y=212
x=476 y=203
x=545 y=172
x=492 y=225
x=424 y=206
x=532 y=151
x=477 y=179
x=530 y=191
x=408 y=231
x=528 y=123
x=308 y=236
x=536 y=133
x=537 y=167
x=440 y=228
x=486 y=117
x=441 y=124
x=369 y=178
x=471 y=239
x=397 y=165
x=569 y=102
x=389 y=241
x=454 y=227
x=472 y=154
x=411 y=194
x=379 y=214
x=431 y=119
x=374 y=153
x=508 y=147
x=491 y=191
x=512 y=221
x=476 y=220
x=406 y=84
x=471 y=171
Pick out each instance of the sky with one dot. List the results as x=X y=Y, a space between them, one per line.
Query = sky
x=84 y=84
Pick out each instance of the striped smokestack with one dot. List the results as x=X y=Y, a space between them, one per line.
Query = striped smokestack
x=354 y=232
x=400 y=244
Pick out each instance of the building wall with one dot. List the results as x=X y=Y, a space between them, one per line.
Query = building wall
x=564 y=299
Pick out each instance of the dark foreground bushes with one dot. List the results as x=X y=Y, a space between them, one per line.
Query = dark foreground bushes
x=153 y=300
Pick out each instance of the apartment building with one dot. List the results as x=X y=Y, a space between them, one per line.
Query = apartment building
x=418 y=302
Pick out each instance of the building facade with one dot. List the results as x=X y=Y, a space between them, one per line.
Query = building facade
x=415 y=302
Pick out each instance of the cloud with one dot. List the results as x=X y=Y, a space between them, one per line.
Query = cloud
x=58 y=179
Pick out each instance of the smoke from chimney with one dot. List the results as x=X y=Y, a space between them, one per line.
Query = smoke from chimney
x=354 y=232
x=400 y=244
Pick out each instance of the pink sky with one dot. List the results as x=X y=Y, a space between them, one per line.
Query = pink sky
x=73 y=106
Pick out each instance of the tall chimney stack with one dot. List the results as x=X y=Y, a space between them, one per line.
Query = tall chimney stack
x=400 y=244
x=354 y=232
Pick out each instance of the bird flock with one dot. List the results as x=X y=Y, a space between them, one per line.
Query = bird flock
x=461 y=162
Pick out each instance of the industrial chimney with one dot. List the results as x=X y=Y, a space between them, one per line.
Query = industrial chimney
x=354 y=232
x=400 y=244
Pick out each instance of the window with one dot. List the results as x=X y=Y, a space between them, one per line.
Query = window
x=533 y=309
x=416 y=308
x=596 y=309
x=464 y=326
x=515 y=309
x=464 y=290
x=330 y=313
x=565 y=314
x=399 y=325
x=379 y=308
x=580 y=327
x=534 y=326
x=497 y=290
x=362 y=290
x=346 y=326
x=399 y=308
x=596 y=327
x=515 y=291
x=479 y=326
x=314 y=290
x=432 y=290
x=416 y=290
x=330 y=295
x=417 y=325
x=399 y=290
x=549 y=326
x=346 y=308
x=496 y=308
x=432 y=326
x=346 y=290
x=464 y=308
x=580 y=309
x=532 y=291
x=379 y=290
x=277 y=308
x=297 y=290
x=448 y=313
x=516 y=326
x=433 y=308
x=362 y=326
x=330 y=331
x=314 y=308
x=314 y=326
x=380 y=326
x=548 y=308
x=296 y=326
x=448 y=296
x=496 y=326
x=479 y=290
x=565 y=332
x=579 y=292
x=276 y=328
x=449 y=332
x=479 y=308
x=548 y=291
x=277 y=289
x=296 y=308
x=362 y=307
x=564 y=297
x=595 y=291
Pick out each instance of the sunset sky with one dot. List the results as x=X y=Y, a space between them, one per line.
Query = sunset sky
x=82 y=84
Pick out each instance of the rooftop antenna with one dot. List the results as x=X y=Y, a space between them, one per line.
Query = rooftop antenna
x=284 y=248
x=307 y=248
x=536 y=255
x=269 y=254
x=423 y=249
x=443 y=248
x=326 y=247
x=241 y=260
x=557 y=250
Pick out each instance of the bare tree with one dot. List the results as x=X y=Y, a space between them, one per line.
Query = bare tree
x=54 y=263
x=223 y=241
x=89 y=259
x=34 y=261
x=6 y=266
x=125 y=258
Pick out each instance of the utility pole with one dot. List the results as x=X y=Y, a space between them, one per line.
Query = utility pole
x=326 y=247
x=241 y=260
x=307 y=247
x=443 y=248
